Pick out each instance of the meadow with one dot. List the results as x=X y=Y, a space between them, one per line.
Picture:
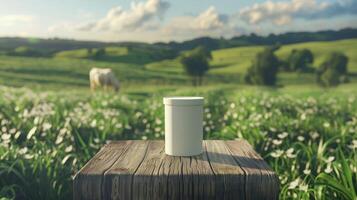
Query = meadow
x=54 y=125
x=69 y=69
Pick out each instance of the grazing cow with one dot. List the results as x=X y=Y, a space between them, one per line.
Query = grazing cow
x=103 y=77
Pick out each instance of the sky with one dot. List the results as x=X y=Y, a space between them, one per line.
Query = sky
x=170 y=20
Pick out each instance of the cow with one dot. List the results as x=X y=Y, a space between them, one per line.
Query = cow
x=103 y=77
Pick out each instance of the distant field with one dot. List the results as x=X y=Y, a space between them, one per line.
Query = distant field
x=237 y=60
x=59 y=73
x=69 y=69
x=86 y=53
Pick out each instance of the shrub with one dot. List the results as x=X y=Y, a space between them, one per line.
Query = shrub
x=264 y=68
x=333 y=70
x=195 y=63
x=300 y=60
x=99 y=53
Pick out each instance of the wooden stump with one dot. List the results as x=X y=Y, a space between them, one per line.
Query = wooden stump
x=142 y=170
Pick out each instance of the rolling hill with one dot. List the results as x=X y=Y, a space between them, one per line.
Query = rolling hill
x=69 y=68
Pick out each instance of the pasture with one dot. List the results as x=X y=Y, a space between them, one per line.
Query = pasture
x=307 y=136
x=227 y=66
x=53 y=125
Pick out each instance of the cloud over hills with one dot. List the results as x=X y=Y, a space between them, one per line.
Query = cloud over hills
x=148 y=19
x=136 y=18
x=284 y=12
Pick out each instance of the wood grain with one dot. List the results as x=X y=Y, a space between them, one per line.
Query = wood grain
x=142 y=170
x=118 y=178
x=87 y=183
x=229 y=176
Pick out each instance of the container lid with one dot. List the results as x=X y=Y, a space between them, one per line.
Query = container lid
x=183 y=101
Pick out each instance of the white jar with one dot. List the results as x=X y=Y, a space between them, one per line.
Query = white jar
x=183 y=125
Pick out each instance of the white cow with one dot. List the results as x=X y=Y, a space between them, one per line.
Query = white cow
x=103 y=77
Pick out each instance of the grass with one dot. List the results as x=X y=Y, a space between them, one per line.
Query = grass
x=69 y=69
x=51 y=125
x=307 y=136
x=236 y=60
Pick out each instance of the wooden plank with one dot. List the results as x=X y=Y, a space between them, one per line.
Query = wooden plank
x=261 y=182
x=168 y=177
x=198 y=177
x=118 y=178
x=230 y=178
x=146 y=183
x=87 y=183
x=270 y=181
x=142 y=170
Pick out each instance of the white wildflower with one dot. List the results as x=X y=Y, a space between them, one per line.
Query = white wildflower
x=22 y=151
x=277 y=153
x=283 y=135
x=93 y=123
x=28 y=156
x=31 y=132
x=69 y=148
x=277 y=142
x=315 y=135
x=46 y=126
x=294 y=184
x=5 y=137
x=233 y=105
x=118 y=125
x=301 y=138
x=4 y=129
x=12 y=131
x=59 y=139
x=328 y=169
x=303 y=117
x=354 y=144
x=303 y=187
x=158 y=121
x=290 y=153
x=207 y=129
x=17 y=135
x=307 y=171
x=330 y=159
x=326 y=124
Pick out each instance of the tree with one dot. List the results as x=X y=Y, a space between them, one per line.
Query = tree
x=196 y=63
x=300 y=60
x=333 y=70
x=99 y=53
x=264 y=68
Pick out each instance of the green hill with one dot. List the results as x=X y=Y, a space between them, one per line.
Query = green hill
x=71 y=68
x=227 y=62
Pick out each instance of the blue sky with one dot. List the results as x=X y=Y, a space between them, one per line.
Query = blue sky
x=165 y=20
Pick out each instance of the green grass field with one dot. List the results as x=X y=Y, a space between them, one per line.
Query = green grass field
x=307 y=136
x=68 y=69
x=235 y=61
x=51 y=124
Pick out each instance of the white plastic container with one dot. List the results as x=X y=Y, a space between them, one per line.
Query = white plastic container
x=183 y=125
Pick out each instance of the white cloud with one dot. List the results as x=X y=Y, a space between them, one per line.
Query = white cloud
x=142 y=22
x=207 y=23
x=140 y=16
x=283 y=12
x=10 y=20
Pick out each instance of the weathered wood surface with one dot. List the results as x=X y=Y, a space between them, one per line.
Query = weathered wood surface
x=142 y=170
